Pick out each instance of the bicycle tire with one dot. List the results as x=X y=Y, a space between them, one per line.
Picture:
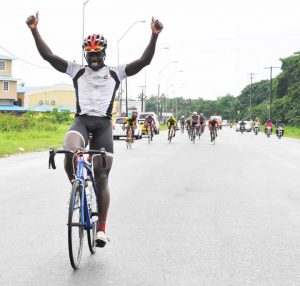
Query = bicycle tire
x=149 y=137
x=170 y=135
x=93 y=212
x=76 y=225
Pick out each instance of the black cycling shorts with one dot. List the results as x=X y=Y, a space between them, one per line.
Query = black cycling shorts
x=99 y=127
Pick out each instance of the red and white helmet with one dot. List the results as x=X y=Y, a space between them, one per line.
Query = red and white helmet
x=94 y=43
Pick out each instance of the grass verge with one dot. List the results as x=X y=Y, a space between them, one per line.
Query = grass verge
x=292 y=132
x=15 y=142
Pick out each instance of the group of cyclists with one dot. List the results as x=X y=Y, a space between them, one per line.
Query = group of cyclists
x=131 y=124
x=195 y=123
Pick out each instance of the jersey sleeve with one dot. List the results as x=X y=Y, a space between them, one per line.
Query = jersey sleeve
x=120 y=71
x=73 y=69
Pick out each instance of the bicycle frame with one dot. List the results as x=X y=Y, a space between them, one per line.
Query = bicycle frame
x=80 y=176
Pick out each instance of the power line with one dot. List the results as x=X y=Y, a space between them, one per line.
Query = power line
x=22 y=60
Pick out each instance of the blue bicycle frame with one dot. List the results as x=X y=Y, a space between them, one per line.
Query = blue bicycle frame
x=84 y=209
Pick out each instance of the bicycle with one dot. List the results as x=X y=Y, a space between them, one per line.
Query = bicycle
x=201 y=130
x=171 y=133
x=129 y=138
x=213 y=135
x=83 y=208
x=149 y=134
x=193 y=134
x=182 y=128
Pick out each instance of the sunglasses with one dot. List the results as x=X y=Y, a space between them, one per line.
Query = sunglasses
x=93 y=49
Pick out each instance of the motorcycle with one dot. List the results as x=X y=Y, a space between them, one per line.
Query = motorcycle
x=256 y=130
x=242 y=129
x=279 y=131
x=268 y=131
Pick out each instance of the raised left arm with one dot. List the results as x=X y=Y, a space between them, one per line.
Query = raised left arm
x=134 y=67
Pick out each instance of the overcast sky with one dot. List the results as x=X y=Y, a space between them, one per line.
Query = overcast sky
x=217 y=44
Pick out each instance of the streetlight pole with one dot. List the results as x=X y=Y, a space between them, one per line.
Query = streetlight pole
x=118 y=51
x=142 y=97
x=158 y=85
x=168 y=81
x=270 y=92
x=83 y=10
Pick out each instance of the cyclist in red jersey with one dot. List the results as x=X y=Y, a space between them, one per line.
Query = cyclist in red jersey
x=149 y=123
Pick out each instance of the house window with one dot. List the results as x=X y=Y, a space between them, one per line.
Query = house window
x=2 y=65
x=41 y=102
x=52 y=102
x=5 y=86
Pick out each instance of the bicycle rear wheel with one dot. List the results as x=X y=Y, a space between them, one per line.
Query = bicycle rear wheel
x=75 y=226
x=93 y=212
x=170 y=134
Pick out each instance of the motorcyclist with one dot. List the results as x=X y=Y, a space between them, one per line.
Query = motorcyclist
x=243 y=125
x=268 y=124
x=256 y=124
x=279 y=124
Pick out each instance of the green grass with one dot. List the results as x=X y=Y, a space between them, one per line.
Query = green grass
x=31 y=140
x=292 y=132
x=163 y=127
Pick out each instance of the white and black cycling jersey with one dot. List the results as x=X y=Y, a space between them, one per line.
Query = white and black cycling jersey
x=95 y=90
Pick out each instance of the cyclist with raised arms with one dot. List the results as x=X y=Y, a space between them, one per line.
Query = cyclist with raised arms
x=95 y=86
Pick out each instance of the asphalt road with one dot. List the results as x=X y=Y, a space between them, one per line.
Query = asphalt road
x=181 y=214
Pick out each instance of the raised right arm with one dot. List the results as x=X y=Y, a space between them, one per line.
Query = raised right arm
x=57 y=62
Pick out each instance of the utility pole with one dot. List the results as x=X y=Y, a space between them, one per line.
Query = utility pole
x=142 y=97
x=250 y=99
x=270 y=91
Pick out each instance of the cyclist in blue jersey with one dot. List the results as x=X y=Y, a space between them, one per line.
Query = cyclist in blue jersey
x=95 y=86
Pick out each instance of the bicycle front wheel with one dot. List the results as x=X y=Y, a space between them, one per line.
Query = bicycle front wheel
x=93 y=212
x=75 y=226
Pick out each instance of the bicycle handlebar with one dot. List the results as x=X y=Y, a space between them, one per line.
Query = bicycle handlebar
x=53 y=152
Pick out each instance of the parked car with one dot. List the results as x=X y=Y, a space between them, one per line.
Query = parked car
x=141 y=118
x=248 y=126
x=119 y=132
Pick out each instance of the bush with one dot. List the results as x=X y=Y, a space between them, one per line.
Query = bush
x=42 y=121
